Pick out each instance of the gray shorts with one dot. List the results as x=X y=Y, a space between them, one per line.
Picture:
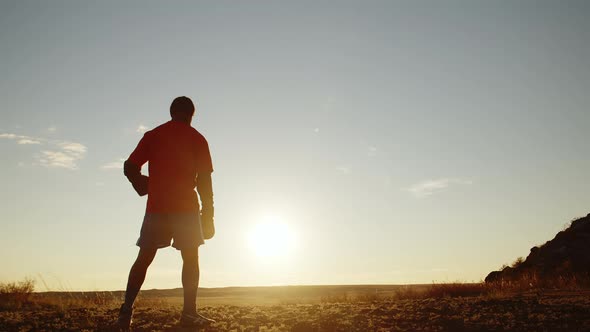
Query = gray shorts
x=158 y=229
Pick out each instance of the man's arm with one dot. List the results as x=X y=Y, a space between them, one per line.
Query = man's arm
x=132 y=166
x=205 y=189
x=133 y=174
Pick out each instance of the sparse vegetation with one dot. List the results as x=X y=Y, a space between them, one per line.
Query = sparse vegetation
x=517 y=262
x=408 y=292
x=457 y=289
x=561 y=263
x=532 y=282
x=338 y=298
x=68 y=300
x=16 y=294
x=437 y=307
x=446 y=306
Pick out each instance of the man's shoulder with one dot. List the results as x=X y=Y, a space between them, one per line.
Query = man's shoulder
x=198 y=136
x=163 y=126
x=155 y=130
x=170 y=128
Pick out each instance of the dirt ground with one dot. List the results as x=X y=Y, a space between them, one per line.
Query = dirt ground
x=532 y=312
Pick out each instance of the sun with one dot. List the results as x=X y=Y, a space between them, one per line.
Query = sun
x=271 y=238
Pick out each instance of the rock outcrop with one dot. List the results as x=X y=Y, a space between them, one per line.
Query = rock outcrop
x=566 y=256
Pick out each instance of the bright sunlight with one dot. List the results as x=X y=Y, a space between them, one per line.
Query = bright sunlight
x=271 y=238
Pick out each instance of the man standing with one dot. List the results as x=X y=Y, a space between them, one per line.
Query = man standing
x=179 y=160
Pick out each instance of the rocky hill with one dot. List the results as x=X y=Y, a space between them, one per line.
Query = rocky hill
x=567 y=256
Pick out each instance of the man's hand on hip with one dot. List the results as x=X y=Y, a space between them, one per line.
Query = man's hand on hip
x=138 y=181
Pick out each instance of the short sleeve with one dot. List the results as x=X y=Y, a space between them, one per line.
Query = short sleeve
x=204 y=163
x=140 y=155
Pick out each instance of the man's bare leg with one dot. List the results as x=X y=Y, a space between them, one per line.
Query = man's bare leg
x=137 y=274
x=190 y=279
x=190 y=284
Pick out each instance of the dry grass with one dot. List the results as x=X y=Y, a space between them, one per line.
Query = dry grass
x=16 y=294
x=548 y=312
x=415 y=292
x=68 y=300
x=408 y=292
x=436 y=307
x=517 y=262
x=532 y=282
x=457 y=289
x=528 y=284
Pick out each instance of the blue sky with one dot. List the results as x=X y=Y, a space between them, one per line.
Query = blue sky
x=401 y=142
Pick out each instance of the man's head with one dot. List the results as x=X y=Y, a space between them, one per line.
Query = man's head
x=182 y=109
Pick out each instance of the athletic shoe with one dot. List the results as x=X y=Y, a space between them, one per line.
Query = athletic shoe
x=125 y=320
x=195 y=320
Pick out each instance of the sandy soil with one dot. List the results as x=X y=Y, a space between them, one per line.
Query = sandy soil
x=533 y=312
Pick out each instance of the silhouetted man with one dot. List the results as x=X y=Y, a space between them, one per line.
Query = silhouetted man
x=179 y=159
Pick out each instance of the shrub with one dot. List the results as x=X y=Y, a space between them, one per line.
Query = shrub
x=517 y=262
x=456 y=289
x=15 y=294
x=408 y=293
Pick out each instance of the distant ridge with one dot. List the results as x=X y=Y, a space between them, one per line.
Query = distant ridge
x=566 y=257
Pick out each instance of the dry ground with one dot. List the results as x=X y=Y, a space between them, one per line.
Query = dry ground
x=302 y=309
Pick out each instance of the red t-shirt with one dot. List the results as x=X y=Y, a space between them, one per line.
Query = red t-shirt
x=176 y=153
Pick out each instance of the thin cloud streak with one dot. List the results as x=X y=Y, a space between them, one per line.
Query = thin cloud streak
x=58 y=159
x=67 y=157
x=58 y=154
x=73 y=147
x=23 y=141
x=431 y=187
x=114 y=164
x=19 y=137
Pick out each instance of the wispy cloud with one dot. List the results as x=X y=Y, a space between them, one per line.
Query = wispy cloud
x=431 y=187
x=28 y=141
x=66 y=156
x=371 y=151
x=73 y=148
x=57 y=153
x=141 y=129
x=58 y=159
x=114 y=164
x=18 y=137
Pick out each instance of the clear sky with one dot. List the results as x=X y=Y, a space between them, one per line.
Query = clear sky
x=393 y=142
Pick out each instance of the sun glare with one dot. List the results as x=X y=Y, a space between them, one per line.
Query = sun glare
x=271 y=238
